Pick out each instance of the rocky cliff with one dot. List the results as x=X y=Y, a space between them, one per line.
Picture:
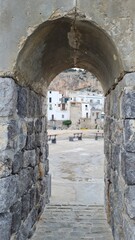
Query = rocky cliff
x=75 y=79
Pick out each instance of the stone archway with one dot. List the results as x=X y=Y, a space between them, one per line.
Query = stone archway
x=58 y=44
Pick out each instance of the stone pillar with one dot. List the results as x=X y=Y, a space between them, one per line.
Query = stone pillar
x=23 y=159
x=119 y=151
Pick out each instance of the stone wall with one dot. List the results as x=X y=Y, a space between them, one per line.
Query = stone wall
x=120 y=159
x=24 y=167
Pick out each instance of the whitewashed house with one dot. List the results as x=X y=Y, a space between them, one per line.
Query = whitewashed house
x=58 y=107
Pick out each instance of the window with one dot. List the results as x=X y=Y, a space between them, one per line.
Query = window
x=50 y=107
x=50 y=92
x=62 y=116
x=86 y=115
x=63 y=106
x=50 y=99
x=86 y=107
x=52 y=117
x=91 y=101
x=98 y=101
x=58 y=105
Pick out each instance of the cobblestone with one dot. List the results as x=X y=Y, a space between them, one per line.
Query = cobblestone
x=75 y=222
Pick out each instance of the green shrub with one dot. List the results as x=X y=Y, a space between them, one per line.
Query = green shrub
x=67 y=122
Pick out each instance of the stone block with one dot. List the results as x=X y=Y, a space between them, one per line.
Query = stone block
x=25 y=205
x=38 y=106
x=129 y=135
x=22 y=135
x=38 y=125
x=32 y=197
x=128 y=229
x=129 y=79
x=128 y=104
x=130 y=201
x=3 y=136
x=8 y=97
x=31 y=104
x=128 y=167
x=30 y=127
x=22 y=101
x=107 y=105
x=5 y=166
x=30 y=142
x=17 y=162
x=115 y=159
x=5 y=226
x=12 y=134
x=16 y=216
x=26 y=227
x=115 y=104
x=25 y=181
x=29 y=158
x=38 y=140
x=8 y=190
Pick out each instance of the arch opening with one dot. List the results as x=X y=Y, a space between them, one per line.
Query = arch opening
x=65 y=43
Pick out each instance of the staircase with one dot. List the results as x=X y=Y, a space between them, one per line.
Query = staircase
x=73 y=222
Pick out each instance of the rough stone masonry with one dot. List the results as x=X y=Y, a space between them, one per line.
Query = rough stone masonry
x=23 y=160
x=38 y=40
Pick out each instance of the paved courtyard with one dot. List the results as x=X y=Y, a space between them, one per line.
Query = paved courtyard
x=77 y=170
x=76 y=209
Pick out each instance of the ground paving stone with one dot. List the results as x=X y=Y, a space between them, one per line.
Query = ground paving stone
x=75 y=222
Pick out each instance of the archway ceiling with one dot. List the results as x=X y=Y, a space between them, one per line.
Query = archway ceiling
x=64 y=43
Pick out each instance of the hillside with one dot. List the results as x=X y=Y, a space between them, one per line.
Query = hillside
x=73 y=79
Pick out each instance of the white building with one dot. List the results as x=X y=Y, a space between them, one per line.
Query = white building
x=78 y=106
x=90 y=101
x=58 y=107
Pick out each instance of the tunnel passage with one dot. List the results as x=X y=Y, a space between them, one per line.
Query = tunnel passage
x=64 y=43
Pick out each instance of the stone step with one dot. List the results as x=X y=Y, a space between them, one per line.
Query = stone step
x=73 y=222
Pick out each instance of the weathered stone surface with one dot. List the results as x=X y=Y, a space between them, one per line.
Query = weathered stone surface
x=30 y=142
x=38 y=140
x=5 y=226
x=18 y=162
x=13 y=132
x=128 y=103
x=130 y=201
x=38 y=126
x=3 y=136
x=29 y=158
x=32 y=197
x=129 y=229
x=22 y=101
x=5 y=166
x=25 y=205
x=16 y=216
x=38 y=106
x=26 y=227
x=25 y=181
x=22 y=135
x=129 y=135
x=129 y=79
x=30 y=127
x=8 y=96
x=115 y=159
x=114 y=103
x=31 y=104
x=8 y=189
x=128 y=167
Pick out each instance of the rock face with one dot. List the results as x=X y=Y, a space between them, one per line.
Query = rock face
x=74 y=79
